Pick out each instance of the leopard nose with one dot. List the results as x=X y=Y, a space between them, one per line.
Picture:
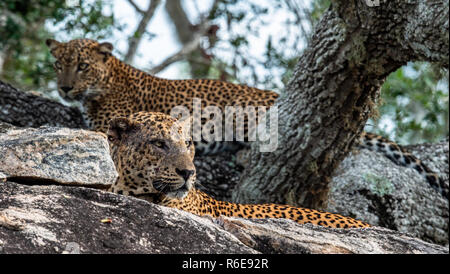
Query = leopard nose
x=66 y=89
x=185 y=173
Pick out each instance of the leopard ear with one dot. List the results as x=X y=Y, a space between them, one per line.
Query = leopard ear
x=105 y=48
x=52 y=44
x=118 y=128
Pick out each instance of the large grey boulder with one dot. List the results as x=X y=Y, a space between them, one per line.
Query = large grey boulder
x=286 y=236
x=62 y=219
x=58 y=219
x=369 y=186
x=43 y=209
x=55 y=155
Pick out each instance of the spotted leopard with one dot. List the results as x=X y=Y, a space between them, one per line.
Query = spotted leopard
x=154 y=156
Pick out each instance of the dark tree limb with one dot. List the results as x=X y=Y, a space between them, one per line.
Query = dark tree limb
x=136 y=7
x=28 y=110
x=334 y=90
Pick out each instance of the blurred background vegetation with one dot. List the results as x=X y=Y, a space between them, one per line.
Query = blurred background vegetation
x=220 y=39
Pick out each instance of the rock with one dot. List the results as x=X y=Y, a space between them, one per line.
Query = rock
x=370 y=187
x=61 y=219
x=366 y=186
x=55 y=155
x=434 y=155
x=286 y=236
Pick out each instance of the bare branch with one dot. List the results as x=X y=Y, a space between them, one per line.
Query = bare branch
x=189 y=35
x=135 y=6
x=301 y=13
x=186 y=50
x=137 y=36
x=183 y=27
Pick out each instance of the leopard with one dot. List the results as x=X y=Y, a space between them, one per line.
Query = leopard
x=107 y=87
x=153 y=154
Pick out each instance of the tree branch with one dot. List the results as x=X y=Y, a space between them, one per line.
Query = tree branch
x=131 y=2
x=189 y=36
x=137 y=36
x=185 y=51
x=183 y=27
x=27 y=110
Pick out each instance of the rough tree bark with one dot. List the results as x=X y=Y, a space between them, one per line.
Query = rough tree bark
x=28 y=110
x=334 y=91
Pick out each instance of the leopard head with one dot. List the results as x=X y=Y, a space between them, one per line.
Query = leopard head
x=81 y=66
x=153 y=154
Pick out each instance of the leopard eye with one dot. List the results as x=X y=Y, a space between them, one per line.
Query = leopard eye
x=82 y=66
x=58 y=65
x=188 y=143
x=159 y=144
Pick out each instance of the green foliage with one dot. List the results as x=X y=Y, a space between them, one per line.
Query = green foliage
x=24 y=26
x=21 y=31
x=318 y=8
x=414 y=105
x=89 y=19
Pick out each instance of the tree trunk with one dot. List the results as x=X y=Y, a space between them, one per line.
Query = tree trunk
x=334 y=91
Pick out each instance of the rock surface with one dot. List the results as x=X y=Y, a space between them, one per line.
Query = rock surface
x=55 y=219
x=286 y=236
x=369 y=186
x=366 y=185
x=55 y=155
x=62 y=219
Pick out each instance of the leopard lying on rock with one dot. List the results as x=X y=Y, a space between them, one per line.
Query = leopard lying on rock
x=154 y=154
